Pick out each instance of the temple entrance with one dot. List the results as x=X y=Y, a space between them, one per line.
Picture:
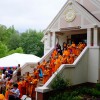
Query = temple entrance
x=79 y=38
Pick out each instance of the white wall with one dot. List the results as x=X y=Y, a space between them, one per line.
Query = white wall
x=93 y=64
x=99 y=37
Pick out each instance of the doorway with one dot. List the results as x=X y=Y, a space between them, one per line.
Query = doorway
x=79 y=38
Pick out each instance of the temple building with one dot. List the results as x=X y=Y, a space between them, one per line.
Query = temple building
x=77 y=21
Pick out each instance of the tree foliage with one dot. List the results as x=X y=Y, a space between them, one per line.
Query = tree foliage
x=14 y=41
x=31 y=42
x=17 y=50
x=3 y=50
x=11 y=41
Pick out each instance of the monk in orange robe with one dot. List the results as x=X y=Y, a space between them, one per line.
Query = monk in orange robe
x=9 y=85
x=43 y=64
x=52 y=65
x=46 y=75
x=28 y=78
x=73 y=44
x=81 y=46
x=73 y=50
x=64 y=60
x=59 y=56
x=20 y=87
x=2 y=97
x=50 y=69
x=38 y=66
x=36 y=73
x=70 y=59
x=66 y=52
x=77 y=52
x=57 y=63
x=23 y=87
x=33 y=86
x=54 y=53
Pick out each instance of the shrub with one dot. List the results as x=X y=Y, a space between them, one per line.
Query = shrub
x=84 y=90
x=98 y=86
x=95 y=92
x=74 y=93
x=59 y=83
x=61 y=96
x=77 y=98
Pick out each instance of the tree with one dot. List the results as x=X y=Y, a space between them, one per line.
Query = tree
x=3 y=50
x=14 y=41
x=2 y=33
x=31 y=42
x=18 y=50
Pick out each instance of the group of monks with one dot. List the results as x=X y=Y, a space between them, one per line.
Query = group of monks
x=26 y=86
x=68 y=56
x=44 y=70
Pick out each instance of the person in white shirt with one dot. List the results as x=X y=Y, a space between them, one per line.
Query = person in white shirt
x=14 y=93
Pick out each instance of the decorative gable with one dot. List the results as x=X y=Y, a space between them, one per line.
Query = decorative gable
x=73 y=14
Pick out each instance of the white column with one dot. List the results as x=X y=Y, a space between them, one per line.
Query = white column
x=95 y=35
x=49 y=39
x=89 y=37
x=54 y=39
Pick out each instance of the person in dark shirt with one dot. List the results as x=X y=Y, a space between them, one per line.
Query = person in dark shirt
x=18 y=72
x=10 y=73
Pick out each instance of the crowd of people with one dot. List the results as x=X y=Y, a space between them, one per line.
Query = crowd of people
x=25 y=85
x=59 y=56
x=8 y=88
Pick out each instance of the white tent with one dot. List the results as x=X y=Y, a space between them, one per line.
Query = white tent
x=14 y=59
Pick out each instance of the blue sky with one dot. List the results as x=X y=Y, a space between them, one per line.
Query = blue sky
x=25 y=14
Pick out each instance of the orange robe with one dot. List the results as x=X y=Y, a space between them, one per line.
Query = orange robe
x=77 y=52
x=8 y=87
x=73 y=50
x=23 y=88
x=64 y=60
x=66 y=53
x=6 y=94
x=52 y=65
x=20 y=88
x=36 y=74
x=43 y=68
x=46 y=75
x=57 y=63
x=27 y=84
x=33 y=86
x=2 y=97
x=54 y=53
x=70 y=60
x=73 y=45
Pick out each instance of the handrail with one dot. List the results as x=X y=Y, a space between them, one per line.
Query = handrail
x=44 y=57
x=47 y=54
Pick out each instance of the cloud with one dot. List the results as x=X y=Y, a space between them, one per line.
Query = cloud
x=24 y=14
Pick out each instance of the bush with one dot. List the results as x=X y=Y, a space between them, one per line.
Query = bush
x=95 y=92
x=77 y=98
x=59 y=83
x=61 y=96
x=98 y=86
x=84 y=90
x=74 y=93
